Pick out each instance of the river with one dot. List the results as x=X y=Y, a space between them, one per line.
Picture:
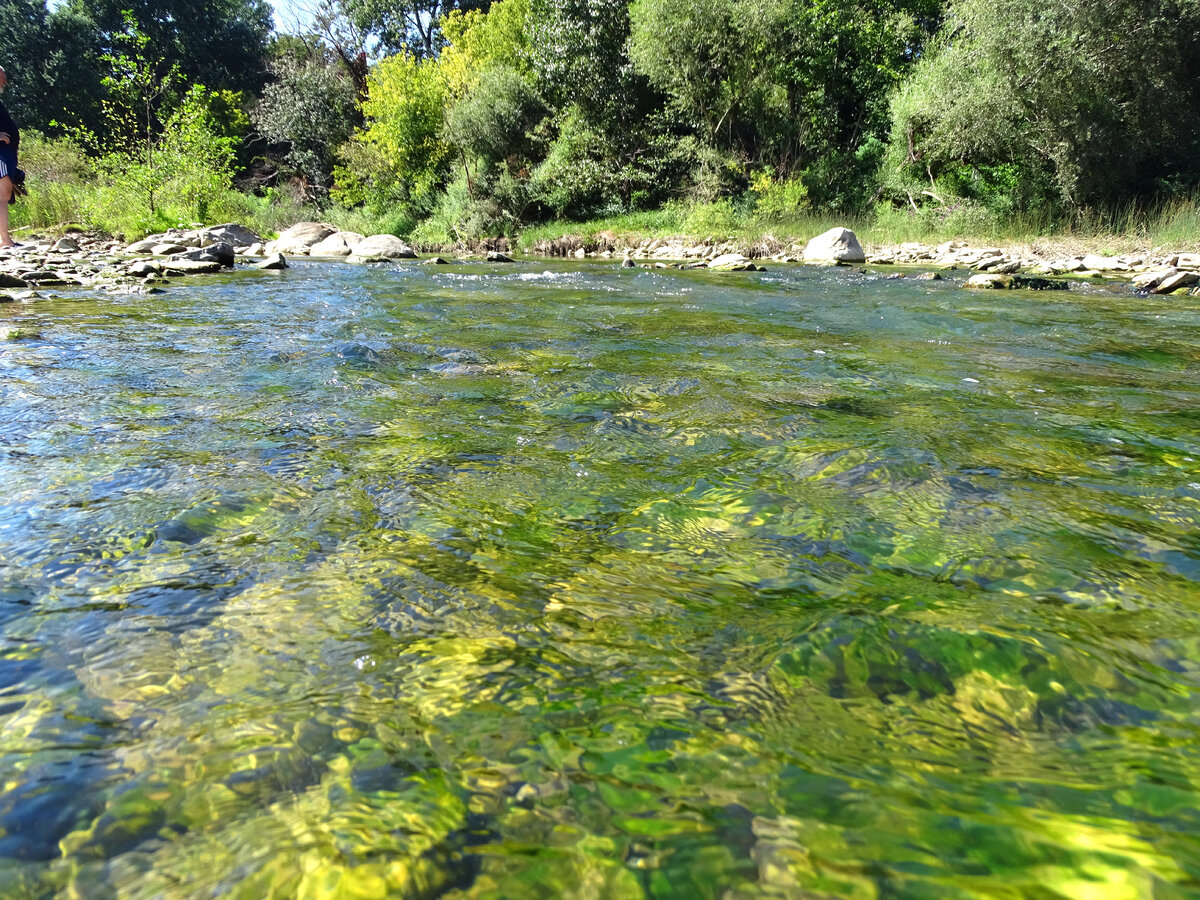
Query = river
x=562 y=580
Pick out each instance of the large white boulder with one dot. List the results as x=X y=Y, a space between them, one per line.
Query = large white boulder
x=380 y=247
x=837 y=245
x=231 y=233
x=341 y=243
x=300 y=237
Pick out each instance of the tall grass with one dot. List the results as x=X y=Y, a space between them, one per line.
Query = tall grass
x=64 y=191
x=720 y=221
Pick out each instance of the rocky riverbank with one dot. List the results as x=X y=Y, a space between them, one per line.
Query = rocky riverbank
x=986 y=267
x=90 y=261
x=99 y=262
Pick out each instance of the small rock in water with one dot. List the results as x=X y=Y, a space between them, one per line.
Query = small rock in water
x=174 y=530
x=1031 y=283
x=190 y=267
x=732 y=262
x=218 y=252
x=381 y=248
x=273 y=262
x=360 y=352
x=143 y=267
x=984 y=282
x=1176 y=281
x=232 y=233
x=497 y=256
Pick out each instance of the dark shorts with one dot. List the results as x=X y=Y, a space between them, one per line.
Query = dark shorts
x=8 y=161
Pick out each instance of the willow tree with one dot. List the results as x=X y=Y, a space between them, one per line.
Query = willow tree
x=799 y=87
x=1069 y=102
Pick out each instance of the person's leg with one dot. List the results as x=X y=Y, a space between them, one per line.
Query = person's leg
x=6 y=189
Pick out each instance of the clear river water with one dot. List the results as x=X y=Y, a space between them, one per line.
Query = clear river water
x=571 y=581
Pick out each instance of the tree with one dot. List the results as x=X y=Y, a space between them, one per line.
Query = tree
x=478 y=41
x=53 y=63
x=494 y=103
x=409 y=26
x=197 y=157
x=184 y=166
x=219 y=43
x=583 y=61
x=797 y=87
x=405 y=113
x=609 y=146
x=311 y=107
x=708 y=56
x=328 y=27
x=490 y=125
x=840 y=64
x=1079 y=99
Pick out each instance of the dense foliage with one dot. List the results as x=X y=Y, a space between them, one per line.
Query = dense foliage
x=456 y=119
x=309 y=109
x=1072 y=103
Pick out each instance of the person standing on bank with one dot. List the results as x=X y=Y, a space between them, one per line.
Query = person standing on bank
x=10 y=140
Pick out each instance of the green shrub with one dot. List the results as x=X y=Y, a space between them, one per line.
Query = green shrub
x=777 y=200
x=715 y=219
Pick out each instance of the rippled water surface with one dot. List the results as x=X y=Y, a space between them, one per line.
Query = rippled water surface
x=572 y=581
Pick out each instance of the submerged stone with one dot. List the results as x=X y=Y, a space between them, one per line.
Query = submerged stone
x=1033 y=283
x=1015 y=282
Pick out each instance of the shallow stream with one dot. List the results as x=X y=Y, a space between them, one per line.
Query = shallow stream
x=571 y=581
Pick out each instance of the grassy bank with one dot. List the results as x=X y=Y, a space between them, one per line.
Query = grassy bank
x=57 y=205
x=64 y=191
x=1167 y=226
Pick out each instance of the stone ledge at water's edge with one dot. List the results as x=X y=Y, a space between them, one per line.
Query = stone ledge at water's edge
x=101 y=263
x=90 y=261
x=1150 y=272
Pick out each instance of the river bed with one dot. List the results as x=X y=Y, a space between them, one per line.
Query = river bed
x=563 y=580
